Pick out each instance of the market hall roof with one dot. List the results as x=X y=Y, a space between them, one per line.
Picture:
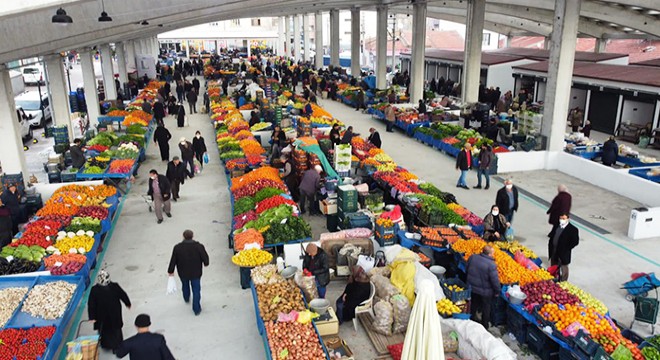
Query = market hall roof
x=542 y=54
x=631 y=74
x=487 y=58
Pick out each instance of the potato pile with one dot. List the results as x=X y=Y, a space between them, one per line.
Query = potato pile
x=279 y=297
x=293 y=340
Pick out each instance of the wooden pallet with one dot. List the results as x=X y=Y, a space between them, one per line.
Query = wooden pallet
x=379 y=341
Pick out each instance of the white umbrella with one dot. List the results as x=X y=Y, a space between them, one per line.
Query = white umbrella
x=424 y=335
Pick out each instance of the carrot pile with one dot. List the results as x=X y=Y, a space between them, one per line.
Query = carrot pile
x=247 y=237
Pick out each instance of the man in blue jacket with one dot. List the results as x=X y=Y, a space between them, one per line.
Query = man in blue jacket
x=144 y=345
x=485 y=282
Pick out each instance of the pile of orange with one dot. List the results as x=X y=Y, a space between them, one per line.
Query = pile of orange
x=262 y=173
x=252 y=147
x=594 y=322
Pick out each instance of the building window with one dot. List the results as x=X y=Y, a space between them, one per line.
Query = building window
x=486 y=40
x=256 y=22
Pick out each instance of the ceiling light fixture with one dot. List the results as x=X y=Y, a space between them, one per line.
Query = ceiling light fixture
x=144 y=22
x=61 y=18
x=104 y=15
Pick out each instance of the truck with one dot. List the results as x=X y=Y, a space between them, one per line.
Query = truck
x=17 y=84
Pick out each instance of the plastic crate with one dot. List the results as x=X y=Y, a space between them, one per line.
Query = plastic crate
x=244 y=273
x=585 y=343
x=600 y=354
x=566 y=354
x=456 y=296
x=541 y=344
x=498 y=313
x=385 y=236
x=516 y=325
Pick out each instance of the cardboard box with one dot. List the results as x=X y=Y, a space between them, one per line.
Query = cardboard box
x=328 y=327
x=338 y=345
x=328 y=207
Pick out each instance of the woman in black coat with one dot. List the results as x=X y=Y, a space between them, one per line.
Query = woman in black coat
x=357 y=290
x=199 y=147
x=335 y=136
x=162 y=137
x=104 y=308
x=181 y=116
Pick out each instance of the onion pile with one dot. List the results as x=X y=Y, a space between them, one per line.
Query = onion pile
x=293 y=340
x=279 y=297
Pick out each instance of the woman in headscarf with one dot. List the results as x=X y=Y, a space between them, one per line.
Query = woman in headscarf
x=357 y=290
x=104 y=308
x=181 y=116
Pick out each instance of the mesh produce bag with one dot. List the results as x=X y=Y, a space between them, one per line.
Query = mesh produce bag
x=384 y=318
x=401 y=309
x=384 y=288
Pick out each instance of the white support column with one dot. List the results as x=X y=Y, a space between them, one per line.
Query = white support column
x=318 y=40
x=131 y=66
x=12 y=159
x=586 y=106
x=187 y=48
x=507 y=41
x=416 y=89
x=536 y=91
x=280 y=35
x=108 y=73
x=656 y=116
x=121 y=63
x=334 y=37
x=249 y=50
x=381 y=47
x=307 y=47
x=476 y=11
x=560 y=72
x=287 y=35
x=297 y=49
x=619 y=109
x=601 y=45
x=156 y=47
x=58 y=89
x=546 y=43
x=355 y=42
x=89 y=83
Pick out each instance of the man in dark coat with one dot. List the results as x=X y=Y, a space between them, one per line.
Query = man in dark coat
x=176 y=174
x=11 y=200
x=464 y=164
x=77 y=154
x=162 y=137
x=374 y=138
x=104 y=308
x=610 y=152
x=187 y=155
x=188 y=256
x=192 y=101
x=160 y=191
x=196 y=85
x=144 y=345
x=159 y=111
x=507 y=199
x=179 y=92
x=316 y=262
x=485 y=282
x=348 y=135
x=199 y=147
x=485 y=158
x=563 y=238
x=561 y=204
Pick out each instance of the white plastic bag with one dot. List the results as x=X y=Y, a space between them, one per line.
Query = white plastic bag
x=366 y=262
x=171 y=285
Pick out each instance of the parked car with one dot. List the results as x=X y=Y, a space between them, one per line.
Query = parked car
x=33 y=106
x=24 y=123
x=33 y=75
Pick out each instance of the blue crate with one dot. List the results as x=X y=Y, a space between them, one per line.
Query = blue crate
x=541 y=344
x=585 y=343
x=516 y=324
x=255 y=300
x=566 y=354
x=456 y=296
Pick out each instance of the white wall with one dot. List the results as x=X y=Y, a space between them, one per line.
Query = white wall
x=637 y=112
x=521 y=161
x=578 y=98
x=619 y=61
x=501 y=75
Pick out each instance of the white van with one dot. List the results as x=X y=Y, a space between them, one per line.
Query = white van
x=33 y=75
x=32 y=104
x=24 y=123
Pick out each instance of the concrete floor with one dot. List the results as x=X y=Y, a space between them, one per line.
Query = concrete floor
x=139 y=252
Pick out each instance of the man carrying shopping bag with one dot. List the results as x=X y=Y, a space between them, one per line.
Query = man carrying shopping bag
x=188 y=256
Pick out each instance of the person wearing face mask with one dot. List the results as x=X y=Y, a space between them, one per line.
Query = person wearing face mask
x=507 y=199
x=495 y=225
x=187 y=155
x=160 y=192
x=563 y=238
x=199 y=147
x=561 y=204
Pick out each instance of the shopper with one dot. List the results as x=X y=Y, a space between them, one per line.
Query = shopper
x=359 y=100
x=199 y=147
x=335 y=136
x=586 y=129
x=278 y=139
x=159 y=111
x=162 y=137
x=289 y=175
x=563 y=238
x=374 y=138
x=187 y=155
x=390 y=117
x=495 y=225
x=348 y=136
x=11 y=199
x=485 y=282
x=316 y=262
x=421 y=109
x=309 y=185
x=356 y=291
x=575 y=118
x=561 y=204
x=196 y=85
x=191 y=96
x=610 y=152
x=160 y=192
x=77 y=154
x=507 y=200
x=179 y=92
x=464 y=164
x=188 y=256
x=144 y=345
x=104 y=308
x=180 y=116
x=485 y=159
x=176 y=174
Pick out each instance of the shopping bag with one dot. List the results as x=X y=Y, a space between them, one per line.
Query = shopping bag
x=206 y=158
x=509 y=234
x=198 y=166
x=171 y=285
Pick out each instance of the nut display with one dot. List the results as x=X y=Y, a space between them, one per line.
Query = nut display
x=279 y=297
x=10 y=298
x=293 y=340
x=49 y=301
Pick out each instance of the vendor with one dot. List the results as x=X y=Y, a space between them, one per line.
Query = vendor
x=495 y=225
x=288 y=175
x=316 y=262
x=335 y=137
x=357 y=290
x=278 y=139
x=77 y=155
x=11 y=199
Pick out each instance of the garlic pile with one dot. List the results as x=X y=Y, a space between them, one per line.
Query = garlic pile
x=10 y=298
x=49 y=301
x=266 y=274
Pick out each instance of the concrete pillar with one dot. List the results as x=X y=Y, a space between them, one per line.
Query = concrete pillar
x=587 y=103
x=297 y=49
x=560 y=72
x=89 y=83
x=306 y=43
x=601 y=45
x=131 y=66
x=656 y=116
x=619 y=109
x=121 y=62
x=476 y=11
x=58 y=89
x=12 y=160
x=187 y=48
x=318 y=40
x=381 y=47
x=334 y=37
x=280 y=32
x=108 y=73
x=355 y=42
x=546 y=43
x=249 y=50
x=507 y=41
x=287 y=36
x=416 y=89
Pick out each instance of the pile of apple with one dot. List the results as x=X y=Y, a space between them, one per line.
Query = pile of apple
x=547 y=291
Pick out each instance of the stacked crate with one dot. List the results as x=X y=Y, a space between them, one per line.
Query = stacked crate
x=61 y=137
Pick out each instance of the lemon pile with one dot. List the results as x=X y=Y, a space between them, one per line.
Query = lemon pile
x=446 y=307
x=455 y=288
x=252 y=257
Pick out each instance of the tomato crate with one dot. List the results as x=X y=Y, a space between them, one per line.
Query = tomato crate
x=456 y=296
x=541 y=344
